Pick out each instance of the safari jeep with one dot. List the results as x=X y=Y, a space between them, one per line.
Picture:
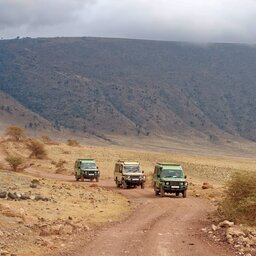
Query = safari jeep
x=169 y=178
x=129 y=174
x=86 y=169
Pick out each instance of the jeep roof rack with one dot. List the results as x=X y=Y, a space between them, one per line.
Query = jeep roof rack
x=128 y=162
x=85 y=159
x=173 y=164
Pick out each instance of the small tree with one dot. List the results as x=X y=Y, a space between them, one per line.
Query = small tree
x=60 y=166
x=15 y=133
x=37 y=149
x=14 y=162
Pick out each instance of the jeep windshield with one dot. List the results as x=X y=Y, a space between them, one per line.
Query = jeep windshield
x=132 y=168
x=85 y=166
x=172 y=174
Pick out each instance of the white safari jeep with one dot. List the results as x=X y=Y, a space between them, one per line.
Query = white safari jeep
x=129 y=174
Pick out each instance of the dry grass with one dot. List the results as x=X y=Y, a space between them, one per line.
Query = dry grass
x=239 y=203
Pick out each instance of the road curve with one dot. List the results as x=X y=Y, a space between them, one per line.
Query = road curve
x=166 y=226
x=169 y=226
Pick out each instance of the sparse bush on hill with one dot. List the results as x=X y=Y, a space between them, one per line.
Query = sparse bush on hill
x=239 y=203
x=15 y=133
x=37 y=148
x=73 y=143
x=15 y=162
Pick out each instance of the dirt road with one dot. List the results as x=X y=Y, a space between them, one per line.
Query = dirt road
x=168 y=226
x=159 y=226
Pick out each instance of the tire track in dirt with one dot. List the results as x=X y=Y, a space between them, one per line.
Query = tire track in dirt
x=159 y=226
x=168 y=226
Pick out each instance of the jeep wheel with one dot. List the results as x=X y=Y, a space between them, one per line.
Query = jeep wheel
x=82 y=178
x=177 y=193
x=97 y=179
x=161 y=191
x=155 y=189
x=124 y=184
x=142 y=185
x=77 y=179
x=184 y=194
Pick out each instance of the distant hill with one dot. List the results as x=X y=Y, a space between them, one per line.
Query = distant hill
x=134 y=87
x=13 y=113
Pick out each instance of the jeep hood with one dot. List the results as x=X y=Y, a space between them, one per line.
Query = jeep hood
x=133 y=174
x=93 y=170
x=173 y=179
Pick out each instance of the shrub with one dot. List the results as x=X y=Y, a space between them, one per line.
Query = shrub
x=73 y=143
x=15 y=133
x=239 y=203
x=14 y=162
x=37 y=148
x=47 y=140
x=60 y=166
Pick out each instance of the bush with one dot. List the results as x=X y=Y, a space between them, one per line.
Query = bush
x=37 y=148
x=73 y=143
x=60 y=166
x=14 y=162
x=15 y=133
x=239 y=203
x=46 y=140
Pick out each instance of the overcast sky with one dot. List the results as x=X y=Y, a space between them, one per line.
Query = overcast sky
x=174 y=20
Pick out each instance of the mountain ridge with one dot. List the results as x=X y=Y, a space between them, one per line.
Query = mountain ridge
x=134 y=87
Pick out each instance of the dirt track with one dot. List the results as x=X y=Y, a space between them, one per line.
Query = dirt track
x=159 y=226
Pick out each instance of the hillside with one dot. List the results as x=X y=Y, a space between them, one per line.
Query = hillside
x=13 y=113
x=134 y=87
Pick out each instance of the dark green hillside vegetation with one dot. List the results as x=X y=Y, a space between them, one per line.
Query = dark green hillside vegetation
x=133 y=86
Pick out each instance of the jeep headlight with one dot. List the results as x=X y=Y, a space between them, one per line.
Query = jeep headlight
x=167 y=183
x=128 y=177
x=182 y=183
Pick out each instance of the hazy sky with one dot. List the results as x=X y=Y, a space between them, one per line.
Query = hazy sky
x=179 y=20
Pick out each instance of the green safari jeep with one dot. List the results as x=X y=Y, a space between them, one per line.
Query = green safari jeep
x=86 y=169
x=169 y=178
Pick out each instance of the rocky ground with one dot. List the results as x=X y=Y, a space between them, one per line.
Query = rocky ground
x=43 y=211
x=39 y=216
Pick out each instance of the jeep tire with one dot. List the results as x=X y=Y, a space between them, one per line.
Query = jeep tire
x=142 y=185
x=124 y=184
x=161 y=191
x=184 y=193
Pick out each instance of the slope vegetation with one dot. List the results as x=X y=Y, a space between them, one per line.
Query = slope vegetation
x=134 y=87
x=13 y=113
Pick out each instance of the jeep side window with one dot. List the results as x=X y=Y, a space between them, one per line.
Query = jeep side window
x=158 y=172
x=155 y=171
